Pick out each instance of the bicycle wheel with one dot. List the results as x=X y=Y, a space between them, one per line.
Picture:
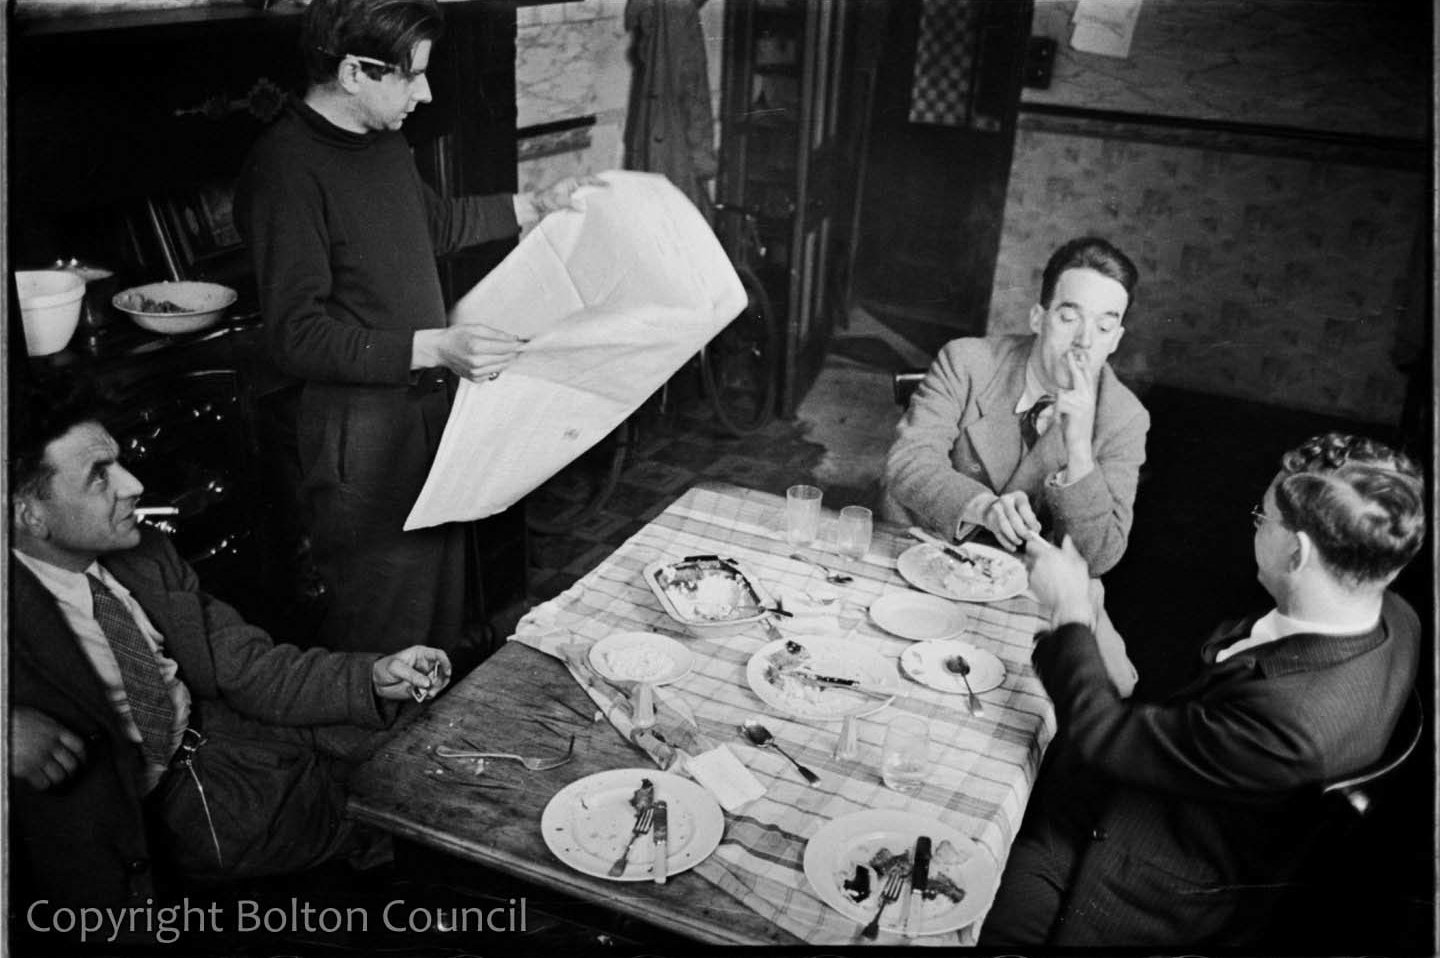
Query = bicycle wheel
x=740 y=366
x=581 y=489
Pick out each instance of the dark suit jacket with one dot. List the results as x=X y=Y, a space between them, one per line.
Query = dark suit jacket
x=961 y=437
x=1193 y=809
x=87 y=841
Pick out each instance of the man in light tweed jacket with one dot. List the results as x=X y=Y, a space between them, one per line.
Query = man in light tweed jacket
x=1024 y=433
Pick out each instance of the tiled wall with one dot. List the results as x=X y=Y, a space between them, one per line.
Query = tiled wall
x=1320 y=65
x=1269 y=276
x=572 y=60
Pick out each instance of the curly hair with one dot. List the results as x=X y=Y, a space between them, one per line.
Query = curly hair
x=40 y=413
x=1088 y=252
x=384 y=30
x=1361 y=502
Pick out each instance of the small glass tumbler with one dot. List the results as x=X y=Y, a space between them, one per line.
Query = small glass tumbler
x=853 y=532
x=905 y=758
x=802 y=514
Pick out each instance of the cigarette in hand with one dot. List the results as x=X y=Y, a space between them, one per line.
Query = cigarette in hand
x=420 y=694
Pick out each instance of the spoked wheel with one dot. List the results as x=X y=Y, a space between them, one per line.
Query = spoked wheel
x=740 y=366
x=581 y=489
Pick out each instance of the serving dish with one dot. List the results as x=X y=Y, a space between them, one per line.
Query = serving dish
x=711 y=596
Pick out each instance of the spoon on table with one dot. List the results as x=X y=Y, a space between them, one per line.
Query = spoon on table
x=831 y=576
x=760 y=736
x=958 y=665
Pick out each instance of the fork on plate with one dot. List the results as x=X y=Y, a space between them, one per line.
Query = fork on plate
x=532 y=764
x=893 y=883
x=643 y=821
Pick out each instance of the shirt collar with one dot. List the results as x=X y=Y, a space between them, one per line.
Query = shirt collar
x=72 y=587
x=1033 y=390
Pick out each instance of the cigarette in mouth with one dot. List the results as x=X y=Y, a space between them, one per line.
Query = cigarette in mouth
x=146 y=512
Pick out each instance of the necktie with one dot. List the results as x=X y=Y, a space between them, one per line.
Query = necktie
x=1029 y=430
x=150 y=704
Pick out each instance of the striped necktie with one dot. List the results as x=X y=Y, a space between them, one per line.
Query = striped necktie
x=150 y=704
x=1030 y=418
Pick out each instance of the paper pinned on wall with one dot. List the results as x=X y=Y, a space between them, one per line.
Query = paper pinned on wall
x=614 y=298
x=1105 y=27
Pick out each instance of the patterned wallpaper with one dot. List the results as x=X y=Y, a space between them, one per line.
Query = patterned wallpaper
x=1262 y=277
x=1267 y=274
x=1321 y=65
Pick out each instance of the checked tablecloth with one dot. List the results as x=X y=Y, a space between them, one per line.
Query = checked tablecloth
x=984 y=766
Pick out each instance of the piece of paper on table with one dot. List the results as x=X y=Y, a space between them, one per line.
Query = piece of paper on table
x=1105 y=27
x=614 y=297
x=724 y=776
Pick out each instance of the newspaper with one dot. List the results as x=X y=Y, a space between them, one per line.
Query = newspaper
x=614 y=297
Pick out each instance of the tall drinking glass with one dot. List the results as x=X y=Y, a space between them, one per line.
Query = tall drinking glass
x=802 y=514
x=905 y=758
x=853 y=532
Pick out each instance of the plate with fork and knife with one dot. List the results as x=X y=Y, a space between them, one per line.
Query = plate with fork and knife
x=870 y=865
x=611 y=824
x=969 y=572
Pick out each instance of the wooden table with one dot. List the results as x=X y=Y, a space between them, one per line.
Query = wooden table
x=988 y=765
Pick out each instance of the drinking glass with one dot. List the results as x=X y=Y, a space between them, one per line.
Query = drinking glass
x=802 y=514
x=905 y=757
x=853 y=532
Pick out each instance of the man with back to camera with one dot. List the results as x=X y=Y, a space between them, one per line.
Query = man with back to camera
x=1172 y=824
x=1020 y=433
x=344 y=234
x=151 y=729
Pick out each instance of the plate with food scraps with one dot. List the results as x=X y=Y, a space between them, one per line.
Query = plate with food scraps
x=917 y=617
x=849 y=858
x=710 y=595
x=925 y=663
x=640 y=657
x=796 y=677
x=589 y=823
x=988 y=576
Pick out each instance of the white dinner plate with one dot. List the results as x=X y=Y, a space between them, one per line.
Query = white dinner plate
x=640 y=657
x=925 y=663
x=995 y=575
x=852 y=842
x=589 y=821
x=796 y=698
x=917 y=617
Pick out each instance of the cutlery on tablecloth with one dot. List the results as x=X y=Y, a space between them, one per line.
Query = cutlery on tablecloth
x=893 y=883
x=760 y=737
x=831 y=575
x=919 y=881
x=643 y=820
x=662 y=842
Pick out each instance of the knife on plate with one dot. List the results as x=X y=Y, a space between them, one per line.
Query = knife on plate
x=851 y=685
x=919 y=881
x=661 y=826
x=942 y=545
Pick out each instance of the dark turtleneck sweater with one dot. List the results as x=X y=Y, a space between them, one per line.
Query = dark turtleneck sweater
x=344 y=233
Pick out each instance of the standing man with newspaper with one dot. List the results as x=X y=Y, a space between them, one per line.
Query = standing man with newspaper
x=344 y=235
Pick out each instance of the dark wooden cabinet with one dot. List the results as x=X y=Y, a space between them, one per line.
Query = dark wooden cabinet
x=793 y=114
x=127 y=133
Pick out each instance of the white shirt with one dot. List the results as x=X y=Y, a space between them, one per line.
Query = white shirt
x=72 y=591
x=1272 y=627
